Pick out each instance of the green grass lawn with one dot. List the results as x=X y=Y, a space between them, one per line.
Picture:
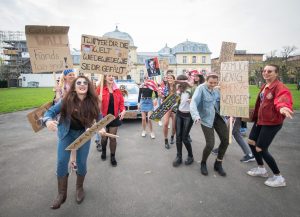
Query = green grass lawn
x=296 y=95
x=16 y=99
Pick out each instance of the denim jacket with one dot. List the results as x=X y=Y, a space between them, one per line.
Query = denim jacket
x=204 y=104
x=62 y=127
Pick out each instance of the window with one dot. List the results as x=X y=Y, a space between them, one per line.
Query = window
x=194 y=60
x=141 y=76
x=203 y=59
x=184 y=59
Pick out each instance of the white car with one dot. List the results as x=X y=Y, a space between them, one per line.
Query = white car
x=130 y=100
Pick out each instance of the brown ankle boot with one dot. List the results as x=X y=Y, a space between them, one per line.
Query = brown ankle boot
x=62 y=192
x=79 y=189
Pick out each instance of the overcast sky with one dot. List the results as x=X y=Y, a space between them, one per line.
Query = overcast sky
x=258 y=26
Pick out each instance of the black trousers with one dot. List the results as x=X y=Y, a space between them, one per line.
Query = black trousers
x=184 y=124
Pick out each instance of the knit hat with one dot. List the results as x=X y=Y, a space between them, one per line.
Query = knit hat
x=67 y=71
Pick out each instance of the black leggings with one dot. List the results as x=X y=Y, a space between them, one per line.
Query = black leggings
x=263 y=136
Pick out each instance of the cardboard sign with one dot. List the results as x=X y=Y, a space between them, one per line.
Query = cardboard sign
x=103 y=55
x=87 y=135
x=166 y=105
x=48 y=48
x=234 y=89
x=226 y=55
x=164 y=64
x=35 y=117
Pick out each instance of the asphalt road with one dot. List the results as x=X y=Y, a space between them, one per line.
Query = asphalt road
x=144 y=184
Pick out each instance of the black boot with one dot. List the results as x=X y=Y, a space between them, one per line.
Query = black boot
x=177 y=161
x=203 y=168
x=189 y=160
x=218 y=167
x=103 y=155
x=167 y=146
x=113 y=160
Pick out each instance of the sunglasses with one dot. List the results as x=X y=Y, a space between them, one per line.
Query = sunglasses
x=268 y=71
x=81 y=83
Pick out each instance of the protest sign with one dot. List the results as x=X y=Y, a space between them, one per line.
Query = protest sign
x=152 y=67
x=48 y=48
x=234 y=89
x=166 y=105
x=164 y=64
x=104 y=55
x=226 y=55
x=87 y=135
x=35 y=117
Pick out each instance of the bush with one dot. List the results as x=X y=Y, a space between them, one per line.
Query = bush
x=3 y=84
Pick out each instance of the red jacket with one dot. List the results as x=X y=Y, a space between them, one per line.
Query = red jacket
x=276 y=96
x=118 y=101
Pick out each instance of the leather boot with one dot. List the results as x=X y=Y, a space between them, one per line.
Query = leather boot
x=103 y=147
x=177 y=161
x=62 y=183
x=218 y=167
x=79 y=189
x=203 y=168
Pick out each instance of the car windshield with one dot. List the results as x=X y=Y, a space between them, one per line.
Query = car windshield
x=132 y=89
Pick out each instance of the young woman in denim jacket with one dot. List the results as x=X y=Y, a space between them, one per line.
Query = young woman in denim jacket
x=78 y=110
x=205 y=108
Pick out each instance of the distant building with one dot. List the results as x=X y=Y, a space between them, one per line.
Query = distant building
x=242 y=55
x=181 y=58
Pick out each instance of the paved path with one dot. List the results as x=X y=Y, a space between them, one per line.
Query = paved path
x=144 y=184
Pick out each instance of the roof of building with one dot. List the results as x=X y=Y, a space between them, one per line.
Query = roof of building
x=119 y=35
x=190 y=47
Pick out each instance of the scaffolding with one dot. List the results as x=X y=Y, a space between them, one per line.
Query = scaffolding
x=14 y=54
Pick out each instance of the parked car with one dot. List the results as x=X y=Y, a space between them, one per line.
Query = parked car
x=131 y=99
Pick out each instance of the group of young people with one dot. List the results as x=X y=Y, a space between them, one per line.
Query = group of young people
x=199 y=103
x=78 y=104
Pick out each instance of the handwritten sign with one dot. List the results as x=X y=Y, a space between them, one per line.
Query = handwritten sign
x=48 y=48
x=234 y=89
x=166 y=105
x=164 y=64
x=87 y=135
x=226 y=55
x=104 y=55
x=35 y=117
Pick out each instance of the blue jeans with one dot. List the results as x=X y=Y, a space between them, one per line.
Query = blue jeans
x=63 y=156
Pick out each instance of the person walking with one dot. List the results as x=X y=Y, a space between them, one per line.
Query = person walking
x=112 y=103
x=184 y=121
x=205 y=109
x=145 y=104
x=62 y=88
x=78 y=110
x=274 y=103
x=169 y=89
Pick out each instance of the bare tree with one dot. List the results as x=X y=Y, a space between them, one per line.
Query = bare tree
x=287 y=51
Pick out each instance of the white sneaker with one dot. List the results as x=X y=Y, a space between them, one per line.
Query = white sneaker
x=258 y=171
x=160 y=123
x=143 y=133
x=275 y=181
x=152 y=135
x=169 y=126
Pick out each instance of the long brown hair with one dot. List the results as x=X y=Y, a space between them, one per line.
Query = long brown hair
x=87 y=110
x=173 y=85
